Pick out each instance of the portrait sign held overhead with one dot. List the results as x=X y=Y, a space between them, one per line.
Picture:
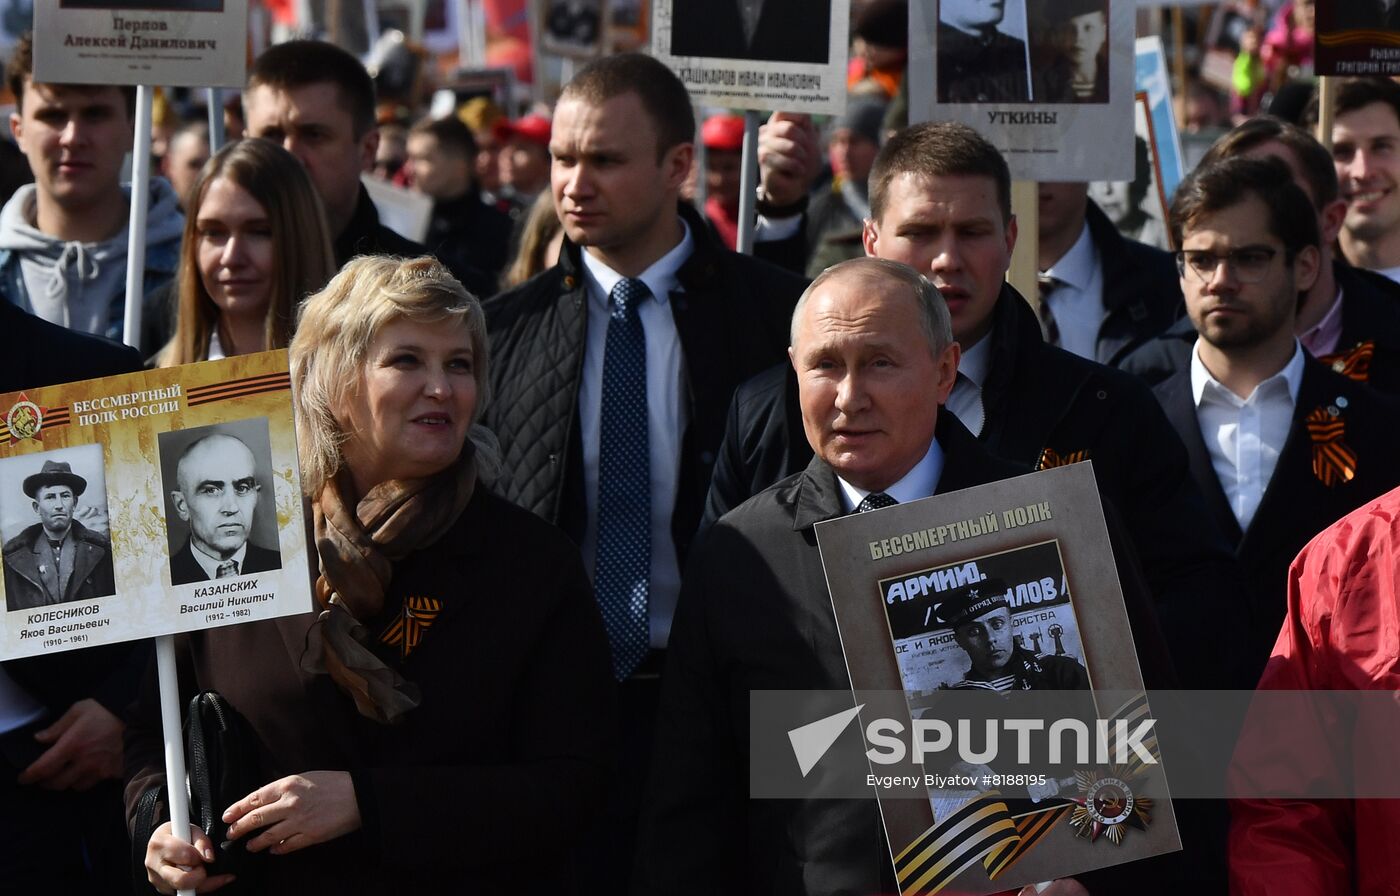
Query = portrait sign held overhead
x=992 y=606
x=757 y=54
x=1048 y=81
x=150 y=504
x=571 y=27
x=1358 y=37
x=199 y=43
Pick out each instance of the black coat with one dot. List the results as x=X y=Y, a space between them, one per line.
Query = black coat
x=1141 y=292
x=732 y=317
x=38 y=353
x=1043 y=406
x=1370 y=328
x=1297 y=504
x=507 y=750
x=788 y=30
x=472 y=239
x=185 y=569
x=92 y=575
x=755 y=614
x=364 y=235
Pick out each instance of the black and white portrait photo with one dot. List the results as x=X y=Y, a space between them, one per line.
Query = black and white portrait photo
x=146 y=5
x=572 y=27
x=981 y=52
x=220 y=506
x=768 y=30
x=53 y=518
x=1069 y=50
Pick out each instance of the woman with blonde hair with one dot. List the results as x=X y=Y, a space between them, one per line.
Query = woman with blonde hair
x=256 y=242
x=445 y=707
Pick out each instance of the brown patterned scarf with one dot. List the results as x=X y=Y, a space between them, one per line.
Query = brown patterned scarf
x=358 y=547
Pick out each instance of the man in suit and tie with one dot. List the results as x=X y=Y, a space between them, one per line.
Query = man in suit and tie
x=872 y=347
x=217 y=492
x=1280 y=445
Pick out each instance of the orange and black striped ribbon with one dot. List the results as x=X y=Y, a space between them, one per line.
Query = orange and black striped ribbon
x=1029 y=829
x=1354 y=363
x=253 y=385
x=416 y=617
x=1049 y=458
x=1333 y=460
x=981 y=828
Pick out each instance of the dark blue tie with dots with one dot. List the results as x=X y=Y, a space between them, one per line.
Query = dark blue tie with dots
x=622 y=572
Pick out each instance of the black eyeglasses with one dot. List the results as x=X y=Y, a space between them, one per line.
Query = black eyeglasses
x=1250 y=265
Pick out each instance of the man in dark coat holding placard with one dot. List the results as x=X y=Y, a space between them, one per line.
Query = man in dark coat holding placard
x=61 y=751
x=875 y=359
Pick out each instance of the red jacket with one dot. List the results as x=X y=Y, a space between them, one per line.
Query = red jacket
x=1342 y=633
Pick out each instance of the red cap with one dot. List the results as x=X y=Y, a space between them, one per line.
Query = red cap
x=724 y=133
x=533 y=128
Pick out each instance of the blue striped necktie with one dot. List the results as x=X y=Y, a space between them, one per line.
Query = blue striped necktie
x=622 y=572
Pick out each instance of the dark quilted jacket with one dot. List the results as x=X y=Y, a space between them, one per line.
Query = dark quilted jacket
x=732 y=316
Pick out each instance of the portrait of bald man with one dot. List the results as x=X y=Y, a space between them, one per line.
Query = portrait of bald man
x=215 y=493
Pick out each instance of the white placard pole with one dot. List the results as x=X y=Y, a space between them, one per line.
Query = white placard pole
x=216 y=119
x=748 y=183
x=136 y=230
x=176 y=796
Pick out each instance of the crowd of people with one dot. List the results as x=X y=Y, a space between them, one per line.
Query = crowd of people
x=589 y=443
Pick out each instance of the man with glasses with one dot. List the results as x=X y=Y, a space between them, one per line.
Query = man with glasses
x=1280 y=445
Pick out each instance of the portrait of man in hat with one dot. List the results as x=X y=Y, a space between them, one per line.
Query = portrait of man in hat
x=56 y=560
x=980 y=617
x=216 y=494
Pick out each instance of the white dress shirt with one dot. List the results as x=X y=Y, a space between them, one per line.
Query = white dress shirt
x=1245 y=435
x=919 y=482
x=211 y=565
x=1392 y=273
x=966 y=398
x=1078 y=303
x=666 y=416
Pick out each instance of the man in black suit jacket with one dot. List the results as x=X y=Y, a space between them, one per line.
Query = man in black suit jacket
x=780 y=30
x=1349 y=319
x=67 y=759
x=940 y=199
x=1281 y=446
x=708 y=318
x=216 y=494
x=871 y=342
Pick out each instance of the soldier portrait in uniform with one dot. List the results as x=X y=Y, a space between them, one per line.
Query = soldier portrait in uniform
x=56 y=558
x=979 y=57
x=980 y=618
x=218 y=493
x=1069 y=50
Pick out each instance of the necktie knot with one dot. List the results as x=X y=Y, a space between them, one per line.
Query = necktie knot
x=626 y=296
x=875 y=501
x=226 y=569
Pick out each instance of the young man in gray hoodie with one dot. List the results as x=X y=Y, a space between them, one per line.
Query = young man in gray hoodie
x=63 y=239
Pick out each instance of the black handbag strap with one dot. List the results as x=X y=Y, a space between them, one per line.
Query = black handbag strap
x=143 y=826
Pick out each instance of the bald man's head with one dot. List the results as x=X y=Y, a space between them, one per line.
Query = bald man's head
x=217 y=493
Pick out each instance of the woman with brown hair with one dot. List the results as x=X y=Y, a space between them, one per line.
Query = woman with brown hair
x=256 y=243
